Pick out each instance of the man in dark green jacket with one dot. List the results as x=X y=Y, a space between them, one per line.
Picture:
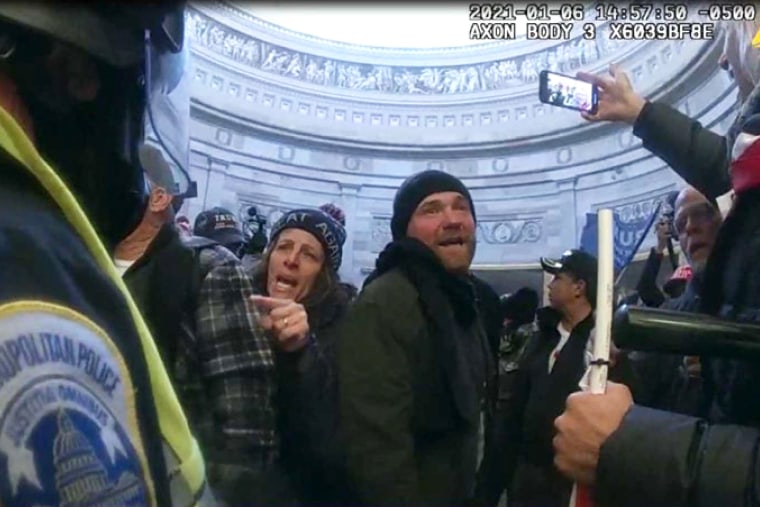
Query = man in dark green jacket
x=413 y=359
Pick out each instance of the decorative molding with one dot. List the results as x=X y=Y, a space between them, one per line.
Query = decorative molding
x=223 y=136
x=564 y=155
x=492 y=232
x=502 y=74
x=510 y=232
x=500 y=164
x=597 y=163
x=286 y=153
x=349 y=189
x=352 y=163
x=642 y=208
x=218 y=165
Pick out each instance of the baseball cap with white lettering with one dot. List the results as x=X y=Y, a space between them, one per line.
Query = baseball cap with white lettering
x=220 y=225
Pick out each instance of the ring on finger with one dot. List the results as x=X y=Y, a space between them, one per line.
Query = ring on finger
x=285 y=322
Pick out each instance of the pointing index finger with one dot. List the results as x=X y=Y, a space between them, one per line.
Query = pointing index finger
x=267 y=303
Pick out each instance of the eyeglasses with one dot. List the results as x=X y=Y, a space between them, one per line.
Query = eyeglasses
x=699 y=214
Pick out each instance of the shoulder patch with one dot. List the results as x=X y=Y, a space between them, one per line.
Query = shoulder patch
x=68 y=426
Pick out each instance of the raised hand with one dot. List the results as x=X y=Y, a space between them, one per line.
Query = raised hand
x=617 y=100
x=286 y=321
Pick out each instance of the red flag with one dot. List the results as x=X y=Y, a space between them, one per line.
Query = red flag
x=745 y=163
x=583 y=497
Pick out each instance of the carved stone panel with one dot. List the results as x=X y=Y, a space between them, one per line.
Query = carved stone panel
x=500 y=165
x=351 y=163
x=223 y=136
x=285 y=153
x=507 y=232
x=564 y=155
x=381 y=233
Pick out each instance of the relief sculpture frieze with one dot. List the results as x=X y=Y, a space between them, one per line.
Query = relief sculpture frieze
x=565 y=57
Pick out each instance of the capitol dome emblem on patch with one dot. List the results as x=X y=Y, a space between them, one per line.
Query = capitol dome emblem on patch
x=68 y=426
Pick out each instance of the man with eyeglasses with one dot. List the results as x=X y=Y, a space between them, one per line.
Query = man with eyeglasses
x=668 y=381
x=696 y=222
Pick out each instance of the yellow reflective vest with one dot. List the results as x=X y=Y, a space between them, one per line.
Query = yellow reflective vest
x=184 y=462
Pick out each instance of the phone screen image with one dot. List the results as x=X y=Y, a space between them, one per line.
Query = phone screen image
x=569 y=92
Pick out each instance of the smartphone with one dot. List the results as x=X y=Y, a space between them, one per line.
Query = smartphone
x=569 y=92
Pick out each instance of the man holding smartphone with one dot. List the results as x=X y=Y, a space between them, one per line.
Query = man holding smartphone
x=684 y=460
x=568 y=92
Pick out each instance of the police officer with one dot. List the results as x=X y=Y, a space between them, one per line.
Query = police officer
x=87 y=413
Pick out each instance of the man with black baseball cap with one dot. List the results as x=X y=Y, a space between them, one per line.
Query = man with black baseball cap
x=554 y=362
x=220 y=225
x=580 y=268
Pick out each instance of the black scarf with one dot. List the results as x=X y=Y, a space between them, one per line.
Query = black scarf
x=439 y=291
x=426 y=272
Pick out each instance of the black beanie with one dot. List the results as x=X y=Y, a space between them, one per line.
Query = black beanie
x=414 y=190
x=322 y=226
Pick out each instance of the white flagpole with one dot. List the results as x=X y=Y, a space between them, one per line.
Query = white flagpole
x=605 y=294
x=597 y=373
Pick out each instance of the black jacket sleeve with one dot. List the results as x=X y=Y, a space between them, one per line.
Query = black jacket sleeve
x=647 y=288
x=655 y=374
x=502 y=445
x=505 y=434
x=308 y=396
x=489 y=307
x=661 y=459
x=309 y=414
x=698 y=155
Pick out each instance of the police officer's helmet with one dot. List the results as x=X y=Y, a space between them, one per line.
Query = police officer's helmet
x=94 y=144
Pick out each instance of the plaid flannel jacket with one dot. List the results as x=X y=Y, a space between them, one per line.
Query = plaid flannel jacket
x=239 y=434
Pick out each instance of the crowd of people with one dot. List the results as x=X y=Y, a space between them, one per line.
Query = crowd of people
x=568 y=95
x=147 y=362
